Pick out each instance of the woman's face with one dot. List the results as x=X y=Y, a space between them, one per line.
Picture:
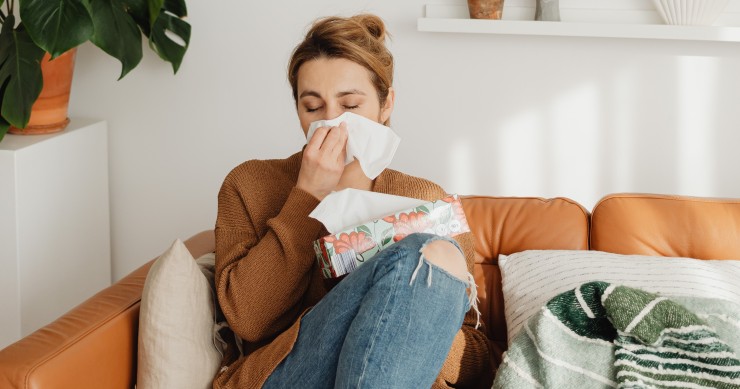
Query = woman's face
x=328 y=87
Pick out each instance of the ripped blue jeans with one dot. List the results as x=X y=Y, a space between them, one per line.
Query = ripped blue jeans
x=388 y=324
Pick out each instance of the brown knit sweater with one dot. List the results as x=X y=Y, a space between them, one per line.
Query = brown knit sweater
x=267 y=274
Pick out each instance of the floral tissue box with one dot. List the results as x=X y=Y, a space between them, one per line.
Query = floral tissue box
x=341 y=253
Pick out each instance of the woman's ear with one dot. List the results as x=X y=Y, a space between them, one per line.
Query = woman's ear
x=387 y=109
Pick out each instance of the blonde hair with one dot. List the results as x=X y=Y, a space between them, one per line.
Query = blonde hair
x=360 y=39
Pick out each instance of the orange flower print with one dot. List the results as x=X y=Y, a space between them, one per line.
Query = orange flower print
x=357 y=241
x=407 y=223
x=458 y=214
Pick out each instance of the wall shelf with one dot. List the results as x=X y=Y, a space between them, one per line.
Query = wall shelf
x=451 y=19
x=522 y=27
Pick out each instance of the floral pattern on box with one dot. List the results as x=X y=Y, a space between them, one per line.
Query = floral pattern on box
x=341 y=253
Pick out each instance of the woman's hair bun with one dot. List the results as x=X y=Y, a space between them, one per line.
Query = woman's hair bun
x=373 y=24
x=360 y=39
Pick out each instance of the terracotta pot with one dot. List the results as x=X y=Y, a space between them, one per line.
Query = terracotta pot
x=49 y=112
x=486 y=9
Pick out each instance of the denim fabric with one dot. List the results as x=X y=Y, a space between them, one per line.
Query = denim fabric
x=388 y=324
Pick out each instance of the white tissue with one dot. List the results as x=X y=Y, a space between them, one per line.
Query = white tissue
x=372 y=143
x=350 y=207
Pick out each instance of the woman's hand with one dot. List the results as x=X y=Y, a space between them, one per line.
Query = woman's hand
x=323 y=161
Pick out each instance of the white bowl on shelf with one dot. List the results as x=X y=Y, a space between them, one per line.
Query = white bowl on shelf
x=690 y=12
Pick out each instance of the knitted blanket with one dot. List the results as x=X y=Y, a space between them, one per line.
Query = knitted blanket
x=606 y=336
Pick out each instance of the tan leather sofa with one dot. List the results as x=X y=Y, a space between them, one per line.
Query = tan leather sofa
x=94 y=345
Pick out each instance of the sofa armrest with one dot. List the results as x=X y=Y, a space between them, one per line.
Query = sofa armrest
x=201 y=243
x=93 y=345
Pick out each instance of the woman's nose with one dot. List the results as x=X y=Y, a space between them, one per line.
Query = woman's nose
x=333 y=110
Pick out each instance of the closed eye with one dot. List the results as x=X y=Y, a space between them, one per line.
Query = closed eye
x=351 y=106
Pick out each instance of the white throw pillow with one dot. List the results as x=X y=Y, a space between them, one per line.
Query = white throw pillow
x=531 y=278
x=176 y=322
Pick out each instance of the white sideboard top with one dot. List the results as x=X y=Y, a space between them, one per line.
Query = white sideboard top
x=16 y=142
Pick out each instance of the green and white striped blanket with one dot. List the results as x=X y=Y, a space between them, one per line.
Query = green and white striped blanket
x=606 y=336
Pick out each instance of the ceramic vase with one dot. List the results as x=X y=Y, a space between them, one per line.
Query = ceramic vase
x=690 y=12
x=547 y=10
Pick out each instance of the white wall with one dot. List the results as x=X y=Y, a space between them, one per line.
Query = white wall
x=479 y=114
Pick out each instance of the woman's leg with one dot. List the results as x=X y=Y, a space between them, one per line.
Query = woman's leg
x=390 y=323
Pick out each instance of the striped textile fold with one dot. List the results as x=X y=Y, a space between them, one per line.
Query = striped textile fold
x=608 y=336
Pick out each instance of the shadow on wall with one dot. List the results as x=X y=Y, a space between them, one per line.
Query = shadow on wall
x=656 y=122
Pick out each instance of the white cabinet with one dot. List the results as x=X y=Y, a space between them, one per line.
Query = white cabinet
x=54 y=224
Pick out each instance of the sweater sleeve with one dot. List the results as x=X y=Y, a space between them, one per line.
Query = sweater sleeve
x=468 y=365
x=255 y=268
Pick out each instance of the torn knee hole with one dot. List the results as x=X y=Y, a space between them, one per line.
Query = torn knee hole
x=447 y=256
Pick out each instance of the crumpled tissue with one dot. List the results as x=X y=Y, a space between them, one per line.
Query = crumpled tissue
x=372 y=143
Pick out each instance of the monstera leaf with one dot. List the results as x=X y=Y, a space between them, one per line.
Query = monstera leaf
x=139 y=11
x=161 y=26
x=57 y=25
x=170 y=21
x=155 y=8
x=4 y=126
x=20 y=75
x=116 y=33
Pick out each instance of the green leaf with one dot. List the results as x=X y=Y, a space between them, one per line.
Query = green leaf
x=57 y=25
x=155 y=9
x=386 y=241
x=422 y=209
x=139 y=10
x=363 y=228
x=116 y=33
x=176 y=7
x=168 y=49
x=20 y=74
x=4 y=126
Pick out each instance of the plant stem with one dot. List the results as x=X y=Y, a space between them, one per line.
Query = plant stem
x=10 y=5
x=2 y=16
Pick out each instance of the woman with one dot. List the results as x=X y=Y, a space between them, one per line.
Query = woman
x=378 y=328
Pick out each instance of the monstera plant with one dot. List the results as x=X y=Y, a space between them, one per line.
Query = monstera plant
x=56 y=26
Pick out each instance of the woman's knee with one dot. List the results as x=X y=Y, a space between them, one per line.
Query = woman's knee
x=440 y=252
x=447 y=256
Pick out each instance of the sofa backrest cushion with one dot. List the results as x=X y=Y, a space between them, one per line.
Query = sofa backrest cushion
x=506 y=225
x=669 y=226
